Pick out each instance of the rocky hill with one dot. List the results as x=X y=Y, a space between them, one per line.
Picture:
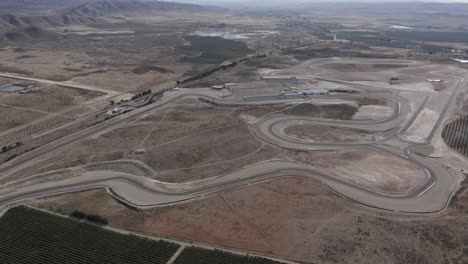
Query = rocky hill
x=29 y=33
x=98 y=8
x=50 y=3
x=86 y=13
x=9 y=21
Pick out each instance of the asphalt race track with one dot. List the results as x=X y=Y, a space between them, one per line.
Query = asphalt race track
x=431 y=196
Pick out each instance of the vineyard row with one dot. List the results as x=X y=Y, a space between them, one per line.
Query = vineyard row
x=455 y=135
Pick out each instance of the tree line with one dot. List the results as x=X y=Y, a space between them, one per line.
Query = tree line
x=221 y=67
x=89 y=217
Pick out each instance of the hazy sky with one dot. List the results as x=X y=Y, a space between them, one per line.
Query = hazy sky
x=314 y=1
x=291 y=3
x=330 y=1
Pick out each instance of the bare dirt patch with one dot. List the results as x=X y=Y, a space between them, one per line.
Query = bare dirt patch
x=212 y=147
x=341 y=111
x=321 y=134
x=220 y=168
x=368 y=168
x=261 y=110
x=356 y=67
x=373 y=112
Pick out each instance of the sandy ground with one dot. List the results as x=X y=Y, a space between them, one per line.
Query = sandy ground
x=82 y=67
x=420 y=129
x=373 y=112
x=292 y=218
x=370 y=169
x=427 y=118
x=321 y=134
x=126 y=81
x=42 y=63
x=120 y=61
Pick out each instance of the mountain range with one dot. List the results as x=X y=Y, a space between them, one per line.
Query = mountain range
x=98 y=8
x=84 y=13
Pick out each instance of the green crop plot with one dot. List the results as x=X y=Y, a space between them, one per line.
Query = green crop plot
x=215 y=49
x=32 y=236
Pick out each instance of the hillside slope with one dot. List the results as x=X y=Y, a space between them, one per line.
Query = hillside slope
x=87 y=13
x=29 y=33
x=97 y=8
x=9 y=21
x=41 y=3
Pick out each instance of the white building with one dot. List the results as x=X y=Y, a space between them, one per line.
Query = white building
x=461 y=61
x=218 y=87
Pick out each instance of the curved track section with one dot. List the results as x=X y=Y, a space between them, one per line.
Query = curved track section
x=143 y=192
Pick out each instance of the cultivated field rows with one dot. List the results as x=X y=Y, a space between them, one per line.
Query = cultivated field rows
x=39 y=109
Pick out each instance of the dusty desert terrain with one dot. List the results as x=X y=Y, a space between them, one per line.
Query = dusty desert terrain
x=264 y=134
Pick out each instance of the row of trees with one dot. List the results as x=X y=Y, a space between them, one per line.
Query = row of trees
x=221 y=67
x=138 y=95
x=90 y=217
x=9 y=147
x=19 y=154
x=342 y=91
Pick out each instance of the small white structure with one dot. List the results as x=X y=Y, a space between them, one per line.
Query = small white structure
x=116 y=110
x=218 y=87
x=229 y=85
x=336 y=39
x=119 y=110
x=461 y=61
x=140 y=151
x=434 y=80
